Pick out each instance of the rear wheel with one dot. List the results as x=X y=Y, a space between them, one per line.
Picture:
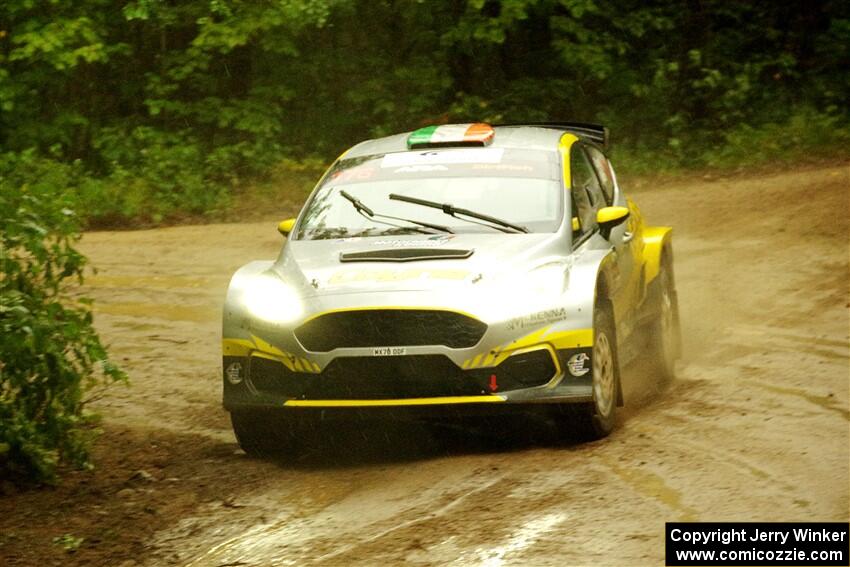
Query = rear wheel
x=596 y=419
x=262 y=433
x=664 y=332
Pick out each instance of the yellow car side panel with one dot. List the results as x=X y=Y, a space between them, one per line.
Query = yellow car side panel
x=655 y=238
x=647 y=245
x=646 y=248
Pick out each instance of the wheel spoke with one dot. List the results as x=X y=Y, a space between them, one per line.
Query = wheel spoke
x=667 y=323
x=603 y=374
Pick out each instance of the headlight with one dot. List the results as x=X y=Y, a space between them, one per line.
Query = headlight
x=270 y=299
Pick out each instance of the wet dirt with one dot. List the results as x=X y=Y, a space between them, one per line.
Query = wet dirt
x=754 y=427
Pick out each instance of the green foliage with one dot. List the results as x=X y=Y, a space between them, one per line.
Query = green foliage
x=163 y=108
x=806 y=135
x=152 y=175
x=50 y=355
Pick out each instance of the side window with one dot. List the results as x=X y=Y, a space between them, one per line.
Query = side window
x=606 y=175
x=592 y=185
x=583 y=197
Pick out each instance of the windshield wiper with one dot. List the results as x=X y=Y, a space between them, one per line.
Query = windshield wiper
x=453 y=211
x=370 y=214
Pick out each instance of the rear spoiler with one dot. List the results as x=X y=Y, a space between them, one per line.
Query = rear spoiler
x=596 y=133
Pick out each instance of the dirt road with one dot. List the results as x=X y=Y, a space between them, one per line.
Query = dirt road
x=755 y=427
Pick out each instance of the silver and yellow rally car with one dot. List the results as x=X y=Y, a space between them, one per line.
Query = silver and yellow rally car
x=462 y=266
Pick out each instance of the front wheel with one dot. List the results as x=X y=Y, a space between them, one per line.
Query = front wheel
x=596 y=419
x=263 y=434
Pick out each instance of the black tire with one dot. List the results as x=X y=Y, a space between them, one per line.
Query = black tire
x=264 y=434
x=664 y=333
x=596 y=419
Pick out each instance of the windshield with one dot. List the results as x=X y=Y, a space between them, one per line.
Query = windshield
x=519 y=186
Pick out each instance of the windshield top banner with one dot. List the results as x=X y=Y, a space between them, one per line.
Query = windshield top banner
x=472 y=162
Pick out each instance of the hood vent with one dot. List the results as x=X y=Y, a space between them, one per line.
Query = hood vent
x=405 y=255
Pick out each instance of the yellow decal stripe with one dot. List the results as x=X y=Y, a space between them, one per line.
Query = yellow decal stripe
x=575 y=338
x=236 y=347
x=398 y=402
x=529 y=339
x=260 y=348
x=261 y=354
x=571 y=339
x=282 y=359
x=266 y=347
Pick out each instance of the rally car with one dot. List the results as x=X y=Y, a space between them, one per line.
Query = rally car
x=463 y=267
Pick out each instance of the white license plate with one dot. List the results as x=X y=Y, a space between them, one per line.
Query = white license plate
x=389 y=351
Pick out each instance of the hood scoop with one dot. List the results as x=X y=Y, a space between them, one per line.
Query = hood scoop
x=405 y=255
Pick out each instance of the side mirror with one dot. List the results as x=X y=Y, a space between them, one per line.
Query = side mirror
x=609 y=217
x=285 y=226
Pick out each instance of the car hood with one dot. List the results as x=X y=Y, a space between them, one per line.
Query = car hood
x=412 y=263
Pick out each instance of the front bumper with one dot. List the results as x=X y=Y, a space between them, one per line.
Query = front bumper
x=534 y=376
x=407 y=356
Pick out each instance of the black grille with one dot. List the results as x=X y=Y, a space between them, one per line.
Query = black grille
x=416 y=376
x=273 y=377
x=390 y=327
x=525 y=370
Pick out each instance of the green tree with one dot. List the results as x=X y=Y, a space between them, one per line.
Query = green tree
x=170 y=106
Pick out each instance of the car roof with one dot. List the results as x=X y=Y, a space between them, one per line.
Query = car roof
x=516 y=137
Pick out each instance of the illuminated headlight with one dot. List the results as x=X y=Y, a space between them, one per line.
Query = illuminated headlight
x=271 y=300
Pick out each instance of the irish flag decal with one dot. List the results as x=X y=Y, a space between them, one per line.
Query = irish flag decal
x=477 y=134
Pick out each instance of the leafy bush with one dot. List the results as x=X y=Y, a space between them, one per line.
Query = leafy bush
x=804 y=134
x=50 y=355
x=146 y=181
x=151 y=175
